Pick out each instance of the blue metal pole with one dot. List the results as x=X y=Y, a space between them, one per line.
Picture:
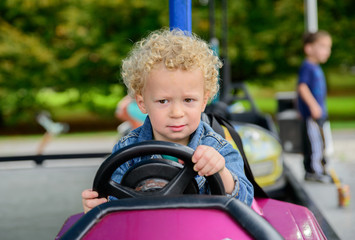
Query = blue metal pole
x=180 y=14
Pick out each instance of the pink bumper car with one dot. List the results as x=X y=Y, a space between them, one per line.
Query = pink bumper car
x=159 y=200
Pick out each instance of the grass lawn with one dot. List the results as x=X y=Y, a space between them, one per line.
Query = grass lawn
x=342 y=125
x=341 y=108
x=95 y=109
x=340 y=100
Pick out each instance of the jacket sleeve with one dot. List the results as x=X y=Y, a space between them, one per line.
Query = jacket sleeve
x=243 y=189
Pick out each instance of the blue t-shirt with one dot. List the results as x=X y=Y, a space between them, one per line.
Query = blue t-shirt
x=312 y=75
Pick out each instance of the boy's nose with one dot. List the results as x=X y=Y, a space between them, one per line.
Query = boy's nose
x=176 y=110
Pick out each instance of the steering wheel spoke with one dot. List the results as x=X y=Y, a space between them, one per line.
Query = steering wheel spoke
x=121 y=191
x=178 y=184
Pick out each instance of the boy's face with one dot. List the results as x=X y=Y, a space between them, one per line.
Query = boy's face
x=319 y=51
x=174 y=101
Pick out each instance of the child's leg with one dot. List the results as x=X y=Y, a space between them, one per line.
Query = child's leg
x=324 y=129
x=44 y=142
x=306 y=148
x=317 y=146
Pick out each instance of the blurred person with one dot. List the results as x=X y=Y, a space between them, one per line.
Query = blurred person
x=311 y=97
x=131 y=116
x=52 y=129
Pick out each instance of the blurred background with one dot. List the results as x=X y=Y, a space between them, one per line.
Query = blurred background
x=64 y=57
x=60 y=62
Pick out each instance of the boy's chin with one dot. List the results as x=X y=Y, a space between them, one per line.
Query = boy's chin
x=323 y=60
x=183 y=141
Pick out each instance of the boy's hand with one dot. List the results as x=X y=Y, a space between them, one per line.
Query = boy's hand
x=316 y=111
x=207 y=161
x=90 y=200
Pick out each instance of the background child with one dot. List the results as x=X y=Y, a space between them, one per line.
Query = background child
x=172 y=76
x=312 y=104
x=129 y=114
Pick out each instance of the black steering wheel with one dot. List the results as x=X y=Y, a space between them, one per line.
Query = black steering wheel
x=177 y=184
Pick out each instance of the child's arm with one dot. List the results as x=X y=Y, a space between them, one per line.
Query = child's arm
x=90 y=199
x=208 y=162
x=307 y=97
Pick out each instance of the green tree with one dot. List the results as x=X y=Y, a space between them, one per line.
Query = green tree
x=65 y=44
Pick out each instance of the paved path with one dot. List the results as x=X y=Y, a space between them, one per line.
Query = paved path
x=325 y=197
x=36 y=200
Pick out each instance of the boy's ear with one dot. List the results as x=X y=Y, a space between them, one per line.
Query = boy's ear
x=140 y=103
x=307 y=49
x=205 y=101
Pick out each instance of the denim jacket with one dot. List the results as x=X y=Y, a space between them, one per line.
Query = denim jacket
x=204 y=135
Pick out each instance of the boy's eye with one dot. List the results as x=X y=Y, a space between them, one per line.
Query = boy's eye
x=188 y=100
x=162 y=101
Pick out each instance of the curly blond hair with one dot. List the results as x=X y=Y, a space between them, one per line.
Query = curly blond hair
x=174 y=49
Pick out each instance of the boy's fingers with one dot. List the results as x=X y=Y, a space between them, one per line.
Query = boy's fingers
x=218 y=166
x=89 y=193
x=91 y=203
x=95 y=202
x=207 y=161
x=199 y=153
x=209 y=169
x=198 y=165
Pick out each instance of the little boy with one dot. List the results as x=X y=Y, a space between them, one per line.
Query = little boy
x=312 y=94
x=172 y=76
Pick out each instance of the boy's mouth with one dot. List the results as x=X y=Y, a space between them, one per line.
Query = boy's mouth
x=177 y=128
